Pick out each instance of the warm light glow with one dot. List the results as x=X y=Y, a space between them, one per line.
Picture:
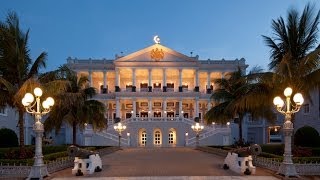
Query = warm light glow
x=187 y=133
x=24 y=102
x=213 y=123
x=197 y=127
x=157 y=84
x=298 y=99
x=287 y=92
x=50 y=101
x=275 y=129
x=28 y=98
x=37 y=91
x=165 y=112
x=277 y=101
x=228 y=123
x=128 y=134
x=181 y=112
x=119 y=127
x=156 y=39
x=131 y=112
x=45 y=104
x=186 y=84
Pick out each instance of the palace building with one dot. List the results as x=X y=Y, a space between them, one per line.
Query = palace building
x=158 y=93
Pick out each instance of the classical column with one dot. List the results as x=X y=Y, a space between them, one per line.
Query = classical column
x=104 y=79
x=133 y=79
x=180 y=108
x=196 y=109
x=196 y=88
x=118 y=106
x=208 y=83
x=209 y=105
x=134 y=108
x=117 y=83
x=150 y=80
x=180 y=80
x=90 y=78
x=164 y=82
x=164 y=108
x=150 y=108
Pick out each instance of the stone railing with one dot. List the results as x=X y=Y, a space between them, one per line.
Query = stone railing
x=22 y=171
x=308 y=169
x=209 y=133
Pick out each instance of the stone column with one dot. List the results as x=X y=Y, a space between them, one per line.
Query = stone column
x=180 y=108
x=118 y=109
x=208 y=83
x=196 y=109
x=150 y=80
x=150 y=108
x=133 y=79
x=117 y=83
x=164 y=108
x=164 y=82
x=209 y=105
x=180 y=80
x=90 y=78
x=104 y=79
x=196 y=88
x=134 y=108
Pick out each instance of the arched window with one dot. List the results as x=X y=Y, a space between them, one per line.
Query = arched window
x=171 y=137
x=157 y=138
x=143 y=138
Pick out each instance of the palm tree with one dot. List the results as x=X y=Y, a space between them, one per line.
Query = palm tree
x=18 y=72
x=237 y=95
x=74 y=106
x=294 y=58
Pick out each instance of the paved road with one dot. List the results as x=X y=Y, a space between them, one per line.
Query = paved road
x=146 y=162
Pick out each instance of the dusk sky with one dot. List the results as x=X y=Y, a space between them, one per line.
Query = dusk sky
x=212 y=29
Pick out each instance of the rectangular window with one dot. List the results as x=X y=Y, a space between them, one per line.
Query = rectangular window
x=3 y=111
x=306 y=108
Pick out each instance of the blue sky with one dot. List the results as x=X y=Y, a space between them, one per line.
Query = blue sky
x=212 y=29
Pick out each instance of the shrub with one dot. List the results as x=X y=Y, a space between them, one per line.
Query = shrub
x=8 y=138
x=15 y=154
x=276 y=149
x=301 y=152
x=306 y=137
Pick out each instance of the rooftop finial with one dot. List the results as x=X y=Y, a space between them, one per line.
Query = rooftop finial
x=156 y=39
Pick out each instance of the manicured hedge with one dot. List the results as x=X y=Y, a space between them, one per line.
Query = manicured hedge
x=276 y=149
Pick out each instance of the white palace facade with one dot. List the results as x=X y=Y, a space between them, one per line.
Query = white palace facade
x=158 y=93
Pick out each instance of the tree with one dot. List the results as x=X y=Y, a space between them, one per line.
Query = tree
x=17 y=70
x=74 y=106
x=294 y=58
x=237 y=95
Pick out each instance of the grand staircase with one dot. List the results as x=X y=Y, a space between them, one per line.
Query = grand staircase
x=112 y=135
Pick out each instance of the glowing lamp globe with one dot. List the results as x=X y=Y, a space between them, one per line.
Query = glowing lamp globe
x=28 y=98
x=24 y=102
x=277 y=101
x=50 y=101
x=298 y=99
x=45 y=104
x=287 y=92
x=37 y=91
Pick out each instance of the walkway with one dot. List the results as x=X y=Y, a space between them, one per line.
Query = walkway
x=151 y=162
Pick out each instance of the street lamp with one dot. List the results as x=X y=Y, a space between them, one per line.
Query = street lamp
x=197 y=128
x=287 y=167
x=39 y=169
x=119 y=128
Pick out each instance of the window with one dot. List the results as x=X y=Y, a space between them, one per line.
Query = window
x=157 y=138
x=3 y=111
x=171 y=137
x=306 y=108
x=144 y=138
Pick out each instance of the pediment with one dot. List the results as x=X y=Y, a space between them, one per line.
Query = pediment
x=156 y=53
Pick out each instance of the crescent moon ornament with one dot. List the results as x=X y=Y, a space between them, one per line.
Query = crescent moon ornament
x=156 y=39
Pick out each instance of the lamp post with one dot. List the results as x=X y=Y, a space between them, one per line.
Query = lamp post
x=119 y=128
x=197 y=128
x=287 y=167
x=39 y=169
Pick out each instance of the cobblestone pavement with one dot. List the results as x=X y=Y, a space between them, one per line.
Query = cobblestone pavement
x=163 y=163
